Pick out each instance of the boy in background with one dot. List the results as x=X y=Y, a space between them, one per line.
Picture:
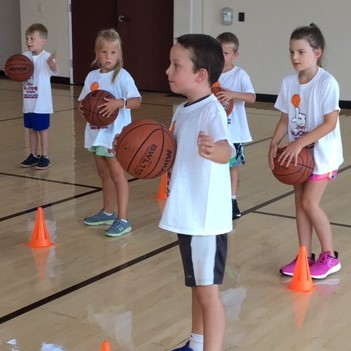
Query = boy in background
x=37 y=96
x=238 y=86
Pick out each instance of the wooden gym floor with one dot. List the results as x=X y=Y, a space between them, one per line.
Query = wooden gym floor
x=129 y=290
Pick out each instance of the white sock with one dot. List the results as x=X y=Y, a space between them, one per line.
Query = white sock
x=196 y=342
x=233 y=197
x=108 y=213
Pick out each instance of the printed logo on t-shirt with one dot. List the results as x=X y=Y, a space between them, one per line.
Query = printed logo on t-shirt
x=299 y=120
x=30 y=90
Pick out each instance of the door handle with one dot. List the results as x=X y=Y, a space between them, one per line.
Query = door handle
x=122 y=18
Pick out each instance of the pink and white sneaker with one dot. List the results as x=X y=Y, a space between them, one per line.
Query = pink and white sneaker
x=289 y=268
x=325 y=265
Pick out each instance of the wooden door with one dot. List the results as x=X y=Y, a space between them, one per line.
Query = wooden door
x=88 y=18
x=146 y=29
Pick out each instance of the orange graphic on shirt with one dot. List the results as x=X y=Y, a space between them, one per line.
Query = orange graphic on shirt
x=94 y=86
x=295 y=100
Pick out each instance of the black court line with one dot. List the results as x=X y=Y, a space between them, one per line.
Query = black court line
x=84 y=283
x=293 y=217
x=67 y=199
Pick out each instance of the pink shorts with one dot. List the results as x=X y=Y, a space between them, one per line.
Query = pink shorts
x=330 y=176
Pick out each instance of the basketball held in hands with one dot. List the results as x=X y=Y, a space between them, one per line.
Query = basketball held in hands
x=19 y=67
x=145 y=149
x=227 y=105
x=91 y=109
x=293 y=175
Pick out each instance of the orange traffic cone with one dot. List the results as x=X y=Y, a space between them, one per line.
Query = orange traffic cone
x=162 y=191
x=105 y=346
x=301 y=280
x=40 y=234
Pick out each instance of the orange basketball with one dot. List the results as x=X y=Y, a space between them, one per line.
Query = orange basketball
x=19 y=67
x=227 y=105
x=294 y=174
x=91 y=109
x=145 y=149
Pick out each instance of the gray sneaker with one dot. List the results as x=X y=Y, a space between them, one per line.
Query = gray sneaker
x=118 y=228
x=100 y=218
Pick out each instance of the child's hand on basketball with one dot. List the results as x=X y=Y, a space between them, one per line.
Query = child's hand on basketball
x=224 y=95
x=271 y=155
x=80 y=109
x=109 y=108
x=206 y=145
x=114 y=144
x=289 y=154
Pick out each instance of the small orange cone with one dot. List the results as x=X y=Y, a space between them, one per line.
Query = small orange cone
x=162 y=191
x=105 y=346
x=301 y=280
x=40 y=234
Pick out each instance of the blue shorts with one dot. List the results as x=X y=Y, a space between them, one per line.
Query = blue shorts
x=36 y=121
x=239 y=158
x=203 y=258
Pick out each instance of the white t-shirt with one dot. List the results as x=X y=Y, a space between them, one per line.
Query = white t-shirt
x=199 y=202
x=306 y=106
x=37 y=96
x=122 y=87
x=238 y=80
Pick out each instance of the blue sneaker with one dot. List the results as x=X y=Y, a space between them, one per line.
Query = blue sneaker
x=118 y=228
x=184 y=348
x=30 y=161
x=100 y=218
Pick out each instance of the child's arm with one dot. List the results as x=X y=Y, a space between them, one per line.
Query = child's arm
x=226 y=95
x=279 y=133
x=217 y=152
x=52 y=63
x=112 y=105
x=293 y=149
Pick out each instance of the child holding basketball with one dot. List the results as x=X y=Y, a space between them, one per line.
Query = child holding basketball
x=37 y=96
x=110 y=76
x=309 y=105
x=198 y=208
x=238 y=86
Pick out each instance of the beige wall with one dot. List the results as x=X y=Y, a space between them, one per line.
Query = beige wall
x=263 y=36
x=54 y=14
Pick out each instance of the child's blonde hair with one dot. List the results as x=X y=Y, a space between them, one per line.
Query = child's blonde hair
x=111 y=36
x=37 y=27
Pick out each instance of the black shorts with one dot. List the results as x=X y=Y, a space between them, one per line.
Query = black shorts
x=203 y=258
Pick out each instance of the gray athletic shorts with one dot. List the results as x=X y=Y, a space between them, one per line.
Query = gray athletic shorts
x=203 y=258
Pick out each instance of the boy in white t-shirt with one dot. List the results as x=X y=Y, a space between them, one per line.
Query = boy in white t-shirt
x=37 y=96
x=198 y=208
x=238 y=86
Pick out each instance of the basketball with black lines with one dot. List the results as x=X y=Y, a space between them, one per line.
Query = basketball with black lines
x=145 y=149
x=293 y=175
x=91 y=105
x=19 y=67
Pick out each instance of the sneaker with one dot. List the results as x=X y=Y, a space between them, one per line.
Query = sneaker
x=289 y=268
x=43 y=162
x=100 y=218
x=30 y=161
x=184 y=348
x=325 y=265
x=235 y=210
x=118 y=228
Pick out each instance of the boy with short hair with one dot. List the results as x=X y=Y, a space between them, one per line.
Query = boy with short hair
x=238 y=86
x=198 y=208
x=37 y=96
